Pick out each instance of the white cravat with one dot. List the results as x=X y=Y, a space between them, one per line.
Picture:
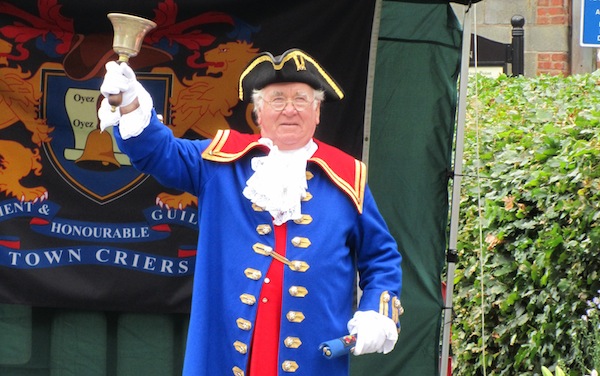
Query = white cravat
x=278 y=184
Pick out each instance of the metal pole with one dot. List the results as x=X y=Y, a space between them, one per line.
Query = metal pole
x=518 y=45
x=583 y=59
x=452 y=256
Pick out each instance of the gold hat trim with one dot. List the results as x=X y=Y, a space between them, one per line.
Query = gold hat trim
x=297 y=55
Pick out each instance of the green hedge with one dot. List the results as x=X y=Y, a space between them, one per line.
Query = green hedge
x=529 y=238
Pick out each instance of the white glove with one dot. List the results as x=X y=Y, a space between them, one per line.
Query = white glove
x=374 y=332
x=120 y=78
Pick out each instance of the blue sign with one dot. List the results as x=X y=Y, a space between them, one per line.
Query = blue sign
x=590 y=23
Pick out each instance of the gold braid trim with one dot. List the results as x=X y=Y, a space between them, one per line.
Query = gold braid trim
x=395 y=306
x=384 y=300
x=300 y=59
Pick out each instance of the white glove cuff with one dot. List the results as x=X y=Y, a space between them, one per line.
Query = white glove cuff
x=375 y=332
x=133 y=123
x=107 y=116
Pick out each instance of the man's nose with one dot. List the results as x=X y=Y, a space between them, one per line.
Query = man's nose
x=289 y=106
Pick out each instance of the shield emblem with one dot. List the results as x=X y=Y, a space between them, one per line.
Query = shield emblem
x=89 y=160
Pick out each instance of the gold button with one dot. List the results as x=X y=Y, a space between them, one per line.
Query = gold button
x=300 y=242
x=240 y=347
x=295 y=316
x=263 y=229
x=253 y=274
x=304 y=220
x=289 y=366
x=299 y=266
x=243 y=324
x=398 y=305
x=262 y=249
x=248 y=299
x=308 y=197
x=237 y=371
x=309 y=175
x=298 y=291
x=292 y=342
x=386 y=297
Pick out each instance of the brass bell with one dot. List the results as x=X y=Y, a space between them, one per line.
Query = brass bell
x=98 y=154
x=129 y=33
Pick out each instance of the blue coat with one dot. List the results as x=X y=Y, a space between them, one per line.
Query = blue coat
x=342 y=231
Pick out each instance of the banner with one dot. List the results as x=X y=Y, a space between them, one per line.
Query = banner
x=79 y=226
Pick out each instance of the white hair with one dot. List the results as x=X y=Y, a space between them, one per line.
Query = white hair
x=258 y=98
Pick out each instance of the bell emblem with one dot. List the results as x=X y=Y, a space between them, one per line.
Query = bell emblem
x=98 y=153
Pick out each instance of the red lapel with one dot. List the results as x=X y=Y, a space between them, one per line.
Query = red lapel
x=346 y=172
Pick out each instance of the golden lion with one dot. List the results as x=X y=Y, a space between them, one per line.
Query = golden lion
x=203 y=103
x=16 y=162
x=19 y=98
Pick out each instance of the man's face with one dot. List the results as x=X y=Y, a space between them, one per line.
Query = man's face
x=288 y=128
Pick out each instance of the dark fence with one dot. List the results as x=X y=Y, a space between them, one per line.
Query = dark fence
x=491 y=53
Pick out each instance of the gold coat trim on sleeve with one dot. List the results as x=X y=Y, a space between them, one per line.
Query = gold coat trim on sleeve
x=384 y=307
x=397 y=310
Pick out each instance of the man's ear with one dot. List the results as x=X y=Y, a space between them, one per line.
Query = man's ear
x=257 y=117
x=318 y=113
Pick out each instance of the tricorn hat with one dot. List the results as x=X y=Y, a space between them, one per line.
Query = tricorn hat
x=292 y=66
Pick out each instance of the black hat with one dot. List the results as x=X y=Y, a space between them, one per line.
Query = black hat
x=292 y=66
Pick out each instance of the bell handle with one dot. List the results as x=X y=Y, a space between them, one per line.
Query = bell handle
x=115 y=100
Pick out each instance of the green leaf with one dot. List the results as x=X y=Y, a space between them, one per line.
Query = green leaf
x=559 y=372
x=534 y=145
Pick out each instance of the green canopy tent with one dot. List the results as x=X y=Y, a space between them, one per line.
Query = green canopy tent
x=413 y=128
x=408 y=147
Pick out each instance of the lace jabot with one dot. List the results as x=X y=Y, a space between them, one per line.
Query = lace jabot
x=278 y=184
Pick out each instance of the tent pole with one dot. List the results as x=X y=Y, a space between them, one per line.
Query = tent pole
x=452 y=254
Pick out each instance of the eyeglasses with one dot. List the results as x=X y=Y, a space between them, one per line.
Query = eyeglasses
x=299 y=103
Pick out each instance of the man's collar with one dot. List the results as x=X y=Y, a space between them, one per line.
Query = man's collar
x=346 y=172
